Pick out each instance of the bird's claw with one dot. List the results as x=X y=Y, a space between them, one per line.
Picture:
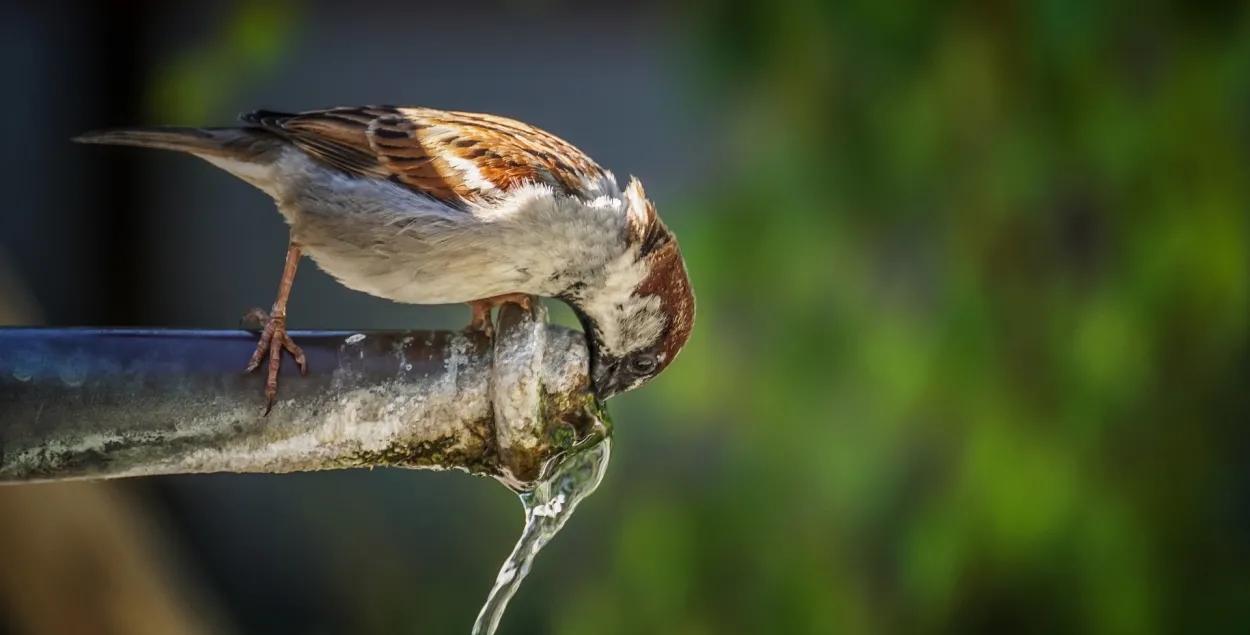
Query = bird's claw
x=255 y=317
x=273 y=338
x=481 y=322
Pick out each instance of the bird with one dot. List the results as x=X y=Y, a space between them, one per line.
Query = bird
x=419 y=205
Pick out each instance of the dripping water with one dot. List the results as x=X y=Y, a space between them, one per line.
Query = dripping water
x=547 y=507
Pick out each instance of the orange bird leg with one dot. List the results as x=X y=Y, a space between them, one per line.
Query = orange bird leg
x=482 y=308
x=274 y=338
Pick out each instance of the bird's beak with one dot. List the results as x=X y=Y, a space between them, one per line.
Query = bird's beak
x=604 y=379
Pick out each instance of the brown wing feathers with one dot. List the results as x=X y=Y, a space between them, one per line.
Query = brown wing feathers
x=337 y=137
x=454 y=157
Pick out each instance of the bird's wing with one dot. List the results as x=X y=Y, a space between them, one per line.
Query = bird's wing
x=458 y=158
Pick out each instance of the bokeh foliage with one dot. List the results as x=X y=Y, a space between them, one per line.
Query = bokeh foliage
x=972 y=335
x=191 y=88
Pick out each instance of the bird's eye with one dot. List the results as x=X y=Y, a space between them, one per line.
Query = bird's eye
x=642 y=365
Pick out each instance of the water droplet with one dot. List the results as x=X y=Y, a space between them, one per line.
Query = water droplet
x=26 y=364
x=74 y=372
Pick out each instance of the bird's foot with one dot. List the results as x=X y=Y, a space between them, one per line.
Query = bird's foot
x=481 y=322
x=273 y=338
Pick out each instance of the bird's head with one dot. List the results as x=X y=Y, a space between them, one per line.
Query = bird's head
x=639 y=318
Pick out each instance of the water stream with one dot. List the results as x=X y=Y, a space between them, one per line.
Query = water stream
x=547 y=507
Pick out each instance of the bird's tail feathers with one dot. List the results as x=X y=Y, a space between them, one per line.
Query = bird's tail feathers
x=240 y=144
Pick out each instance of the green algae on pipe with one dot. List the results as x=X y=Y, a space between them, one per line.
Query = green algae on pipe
x=92 y=403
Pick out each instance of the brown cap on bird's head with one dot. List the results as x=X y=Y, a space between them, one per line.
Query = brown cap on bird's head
x=667 y=278
x=640 y=317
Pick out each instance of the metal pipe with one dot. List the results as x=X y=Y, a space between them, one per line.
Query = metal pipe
x=91 y=403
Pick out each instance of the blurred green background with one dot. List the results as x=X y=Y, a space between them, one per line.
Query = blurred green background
x=971 y=353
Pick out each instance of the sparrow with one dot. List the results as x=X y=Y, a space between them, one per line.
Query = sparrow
x=425 y=206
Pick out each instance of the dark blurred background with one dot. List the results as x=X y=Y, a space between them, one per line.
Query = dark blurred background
x=971 y=355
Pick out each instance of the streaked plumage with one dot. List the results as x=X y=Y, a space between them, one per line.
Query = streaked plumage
x=427 y=206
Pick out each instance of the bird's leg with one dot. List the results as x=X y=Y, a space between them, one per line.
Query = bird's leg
x=482 y=308
x=273 y=337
